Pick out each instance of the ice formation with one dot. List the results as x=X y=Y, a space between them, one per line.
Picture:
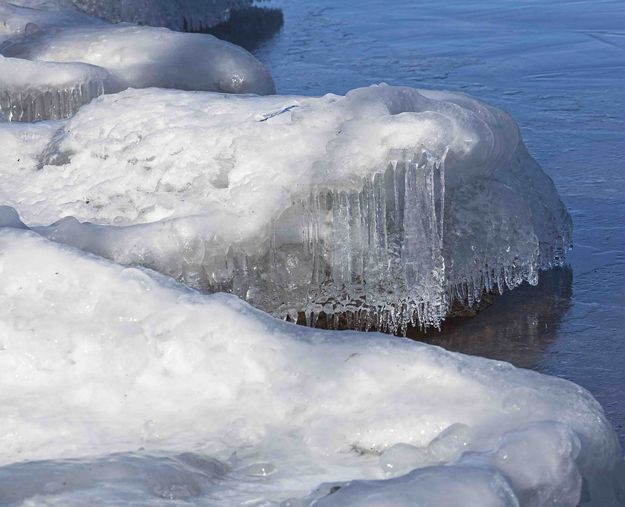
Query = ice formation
x=388 y=205
x=178 y=15
x=112 y=375
x=32 y=91
x=135 y=56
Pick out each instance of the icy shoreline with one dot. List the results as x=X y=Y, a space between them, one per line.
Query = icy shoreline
x=383 y=207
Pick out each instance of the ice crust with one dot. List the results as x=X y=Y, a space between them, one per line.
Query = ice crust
x=388 y=205
x=134 y=56
x=31 y=91
x=99 y=359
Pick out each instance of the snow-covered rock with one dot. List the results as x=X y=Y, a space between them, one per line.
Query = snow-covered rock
x=134 y=56
x=205 y=399
x=384 y=206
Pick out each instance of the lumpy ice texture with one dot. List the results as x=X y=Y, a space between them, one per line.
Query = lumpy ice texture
x=381 y=207
x=111 y=375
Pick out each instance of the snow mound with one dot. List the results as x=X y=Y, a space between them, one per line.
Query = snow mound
x=175 y=14
x=32 y=91
x=135 y=56
x=97 y=358
x=388 y=205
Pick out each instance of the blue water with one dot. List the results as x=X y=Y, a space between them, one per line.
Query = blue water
x=558 y=67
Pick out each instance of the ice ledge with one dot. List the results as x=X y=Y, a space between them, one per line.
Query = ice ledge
x=389 y=204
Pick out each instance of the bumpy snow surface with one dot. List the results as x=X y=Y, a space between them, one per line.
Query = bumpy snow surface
x=382 y=207
x=205 y=399
x=118 y=56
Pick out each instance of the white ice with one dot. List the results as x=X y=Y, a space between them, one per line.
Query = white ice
x=205 y=399
x=386 y=205
x=132 y=55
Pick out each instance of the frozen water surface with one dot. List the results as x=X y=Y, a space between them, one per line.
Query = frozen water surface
x=558 y=67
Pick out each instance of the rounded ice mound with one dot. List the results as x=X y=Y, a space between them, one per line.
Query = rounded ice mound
x=32 y=90
x=98 y=358
x=26 y=17
x=378 y=209
x=140 y=57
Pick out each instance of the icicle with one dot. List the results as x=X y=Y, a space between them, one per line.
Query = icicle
x=47 y=104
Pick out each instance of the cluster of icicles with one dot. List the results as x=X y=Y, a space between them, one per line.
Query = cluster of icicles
x=371 y=259
x=35 y=104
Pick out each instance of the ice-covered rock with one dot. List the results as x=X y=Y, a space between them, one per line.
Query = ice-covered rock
x=175 y=14
x=384 y=206
x=34 y=90
x=135 y=56
x=27 y=17
x=97 y=359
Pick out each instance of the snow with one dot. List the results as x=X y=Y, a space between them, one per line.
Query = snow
x=134 y=56
x=133 y=388
x=389 y=204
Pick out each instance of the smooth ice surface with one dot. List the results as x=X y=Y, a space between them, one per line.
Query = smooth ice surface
x=33 y=90
x=203 y=398
x=389 y=204
x=135 y=56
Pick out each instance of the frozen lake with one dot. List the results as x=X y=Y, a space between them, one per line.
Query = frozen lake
x=558 y=67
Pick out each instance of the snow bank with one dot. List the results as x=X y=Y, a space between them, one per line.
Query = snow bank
x=97 y=358
x=388 y=205
x=135 y=56
x=32 y=91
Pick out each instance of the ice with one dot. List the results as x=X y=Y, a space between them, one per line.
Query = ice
x=31 y=91
x=135 y=56
x=111 y=374
x=131 y=476
x=178 y=15
x=389 y=205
